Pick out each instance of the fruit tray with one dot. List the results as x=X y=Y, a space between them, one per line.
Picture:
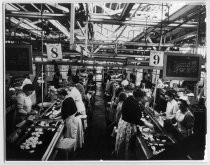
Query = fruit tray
x=47 y=124
x=54 y=112
x=34 y=143
x=155 y=141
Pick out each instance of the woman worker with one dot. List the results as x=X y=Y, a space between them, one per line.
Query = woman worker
x=73 y=123
x=24 y=103
x=132 y=109
x=172 y=105
x=184 y=118
x=77 y=97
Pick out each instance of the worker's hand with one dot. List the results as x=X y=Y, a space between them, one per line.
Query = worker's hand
x=33 y=112
x=147 y=104
x=148 y=124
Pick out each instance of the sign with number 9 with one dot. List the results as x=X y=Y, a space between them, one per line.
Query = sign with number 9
x=156 y=58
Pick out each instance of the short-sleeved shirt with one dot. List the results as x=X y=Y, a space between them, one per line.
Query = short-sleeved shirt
x=24 y=103
x=171 y=109
x=184 y=121
x=81 y=89
x=75 y=94
x=124 y=82
x=131 y=111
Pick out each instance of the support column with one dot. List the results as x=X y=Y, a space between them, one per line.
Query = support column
x=72 y=24
x=198 y=31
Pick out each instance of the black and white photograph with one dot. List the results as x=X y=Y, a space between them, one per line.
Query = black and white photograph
x=95 y=81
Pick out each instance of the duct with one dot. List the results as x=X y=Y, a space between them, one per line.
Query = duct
x=125 y=12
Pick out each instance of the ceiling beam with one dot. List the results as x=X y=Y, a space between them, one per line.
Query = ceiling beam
x=129 y=19
x=56 y=24
x=37 y=15
x=125 y=12
x=25 y=26
x=125 y=43
x=57 y=6
x=107 y=10
x=21 y=7
x=94 y=16
x=51 y=10
x=169 y=33
x=36 y=22
x=150 y=41
x=32 y=25
x=192 y=34
x=9 y=6
x=35 y=7
x=98 y=48
x=138 y=22
x=44 y=15
x=60 y=27
x=184 y=11
x=80 y=27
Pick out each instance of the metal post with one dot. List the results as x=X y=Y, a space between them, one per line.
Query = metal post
x=72 y=21
x=86 y=40
x=198 y=31
x=42 y=87
x=42 y=60
x=155 y=91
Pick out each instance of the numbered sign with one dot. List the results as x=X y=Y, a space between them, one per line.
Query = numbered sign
x=54 y=52
x=156 y=58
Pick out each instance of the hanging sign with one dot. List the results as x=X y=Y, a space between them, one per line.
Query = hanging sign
x=179 y=66
x=18 y=59
x=54 y=52
x=156 y=58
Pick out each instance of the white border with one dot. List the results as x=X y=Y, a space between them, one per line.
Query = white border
x=98 y=162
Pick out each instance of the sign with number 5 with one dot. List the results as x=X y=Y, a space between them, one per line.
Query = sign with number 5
x=156 y=58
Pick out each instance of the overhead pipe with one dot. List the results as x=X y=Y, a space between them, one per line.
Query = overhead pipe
x=37 y=15
x=155 y=24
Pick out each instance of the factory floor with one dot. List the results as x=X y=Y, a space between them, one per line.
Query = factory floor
x=98 y=142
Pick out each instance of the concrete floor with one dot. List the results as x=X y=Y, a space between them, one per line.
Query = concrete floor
x=98 y=143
